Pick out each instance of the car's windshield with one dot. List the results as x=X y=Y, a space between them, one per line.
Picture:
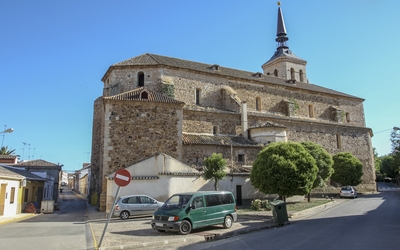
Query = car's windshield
x=176 y=201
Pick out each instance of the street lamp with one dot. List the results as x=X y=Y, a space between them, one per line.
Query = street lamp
x=8 y=130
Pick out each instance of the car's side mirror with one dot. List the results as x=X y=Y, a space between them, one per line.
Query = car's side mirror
x=193 y=206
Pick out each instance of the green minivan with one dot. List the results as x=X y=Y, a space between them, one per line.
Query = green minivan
x=186 y=211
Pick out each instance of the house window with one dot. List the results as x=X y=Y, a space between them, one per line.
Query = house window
x=276 y=72
x=12 y=195
x=258 y=103
x=347 y=116
x=338 y=141
x=301 y=76
x=311 y=111
x=292 y=76
x=241 y=158
x=26 y=195
x=198 y=96
x=140 y=79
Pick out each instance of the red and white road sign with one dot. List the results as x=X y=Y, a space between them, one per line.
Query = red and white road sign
x=122 y=177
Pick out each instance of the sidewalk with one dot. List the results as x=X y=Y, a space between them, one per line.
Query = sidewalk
x=15 y=218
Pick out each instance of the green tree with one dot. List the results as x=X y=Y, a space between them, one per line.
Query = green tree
x=284 y=168
x=388 y=166
x=214 y=168
x=348 y=169
x=395 y=139
x=5 y=151
x=324 y=163
x=378 y=163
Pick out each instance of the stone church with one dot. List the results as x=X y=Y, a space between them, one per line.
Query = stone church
x=153 y=104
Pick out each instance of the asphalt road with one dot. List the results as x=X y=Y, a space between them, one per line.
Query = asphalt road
x=368 y=222
x=65 y=228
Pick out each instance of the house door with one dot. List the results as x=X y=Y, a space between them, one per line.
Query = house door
x=40 y=196
x=2 y=198
x=238 y=195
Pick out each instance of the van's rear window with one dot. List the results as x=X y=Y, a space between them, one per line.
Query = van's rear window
x=218 y=199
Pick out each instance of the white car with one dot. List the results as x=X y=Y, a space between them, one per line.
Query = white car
x=348 y=191
x=131 y=205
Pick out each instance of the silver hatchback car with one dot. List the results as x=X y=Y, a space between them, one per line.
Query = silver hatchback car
x=348 y=191
x=131 y=205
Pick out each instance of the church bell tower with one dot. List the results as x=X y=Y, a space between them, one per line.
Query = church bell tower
x=285 y=64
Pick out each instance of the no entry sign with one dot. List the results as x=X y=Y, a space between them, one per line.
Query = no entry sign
x=122 y=177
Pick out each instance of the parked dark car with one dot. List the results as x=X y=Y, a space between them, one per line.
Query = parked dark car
x=348 y=191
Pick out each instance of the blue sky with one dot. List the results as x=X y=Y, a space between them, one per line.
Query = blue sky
x=53 y=55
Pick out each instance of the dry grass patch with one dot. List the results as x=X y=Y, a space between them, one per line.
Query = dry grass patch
x=290 y=206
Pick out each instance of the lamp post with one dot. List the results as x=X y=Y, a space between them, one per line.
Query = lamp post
x=6 y=130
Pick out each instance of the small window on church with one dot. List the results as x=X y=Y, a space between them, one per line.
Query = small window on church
x=348 y=117
x=258 y=103
x=338 y=141
x=301 y=76
x=241 y=158
x=276 y=72
x=140 y=79
x=311 y=111
x=292 y=75
x=198 y=92
x=144 y=95
x=215 y=130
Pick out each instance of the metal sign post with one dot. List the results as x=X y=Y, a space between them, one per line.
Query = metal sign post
x=122 y=178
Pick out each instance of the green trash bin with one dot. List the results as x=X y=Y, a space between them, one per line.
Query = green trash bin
x=279 y=211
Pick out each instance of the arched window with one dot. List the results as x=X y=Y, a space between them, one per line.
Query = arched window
x=144 y=95
x=301 y=76
x=338 y=141
x=292 y=75
x=140 y=79
x=348 y=117
x=275 y=72
x=311 y=111
x=258 y=103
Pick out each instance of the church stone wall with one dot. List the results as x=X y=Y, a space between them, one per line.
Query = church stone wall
x=139 y=130
x=198 y=122
x=97 y=145
x=272 y=97
x=195 y=154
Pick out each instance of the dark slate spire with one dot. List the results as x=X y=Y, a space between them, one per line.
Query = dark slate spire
x=281 y=31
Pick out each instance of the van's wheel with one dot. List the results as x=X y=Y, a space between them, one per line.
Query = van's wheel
x=185 y=227
x=124 y=215
x=228 y=221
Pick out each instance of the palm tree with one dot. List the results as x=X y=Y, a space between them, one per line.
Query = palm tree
x=6 y=151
